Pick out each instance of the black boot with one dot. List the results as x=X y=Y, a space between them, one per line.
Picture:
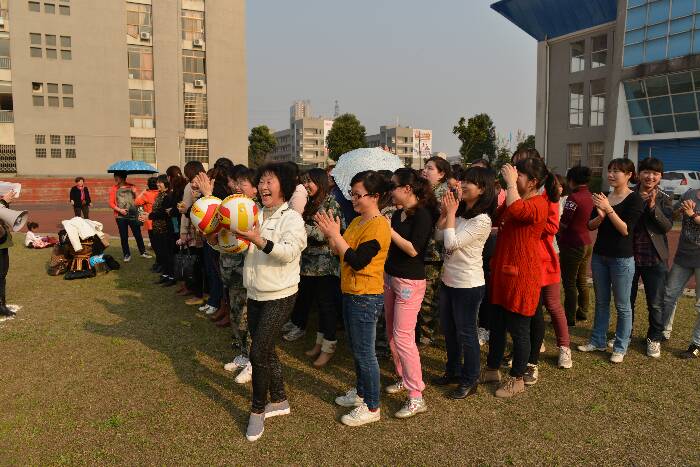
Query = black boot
x=4 y=311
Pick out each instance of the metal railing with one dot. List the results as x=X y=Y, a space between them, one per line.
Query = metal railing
x=5 y=63
x=7 y=116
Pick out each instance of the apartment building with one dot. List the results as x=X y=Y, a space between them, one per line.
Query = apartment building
x=413 y=145
x=84 y=84
x=304 y=142
x=615 y=78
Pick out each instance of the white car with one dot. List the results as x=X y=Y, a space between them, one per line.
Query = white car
x=677 y=182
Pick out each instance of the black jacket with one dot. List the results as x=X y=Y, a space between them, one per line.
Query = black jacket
x=75 y=196
x=658 y=222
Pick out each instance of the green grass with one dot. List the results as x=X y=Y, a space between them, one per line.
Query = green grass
x=114 y=370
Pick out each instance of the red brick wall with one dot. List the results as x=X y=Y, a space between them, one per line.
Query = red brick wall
x=56 y=190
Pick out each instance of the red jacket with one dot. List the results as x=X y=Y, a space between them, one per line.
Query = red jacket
x=551 y=273
x=516 y=266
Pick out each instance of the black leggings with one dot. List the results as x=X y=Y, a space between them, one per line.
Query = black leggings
x=536 y=334
x=4 y=268
x=324 y=291
x=503 y=320
x=265 y=321
x=164 y=247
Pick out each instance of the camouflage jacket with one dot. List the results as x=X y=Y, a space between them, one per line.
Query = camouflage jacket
x=433 y=251
x=318 y=259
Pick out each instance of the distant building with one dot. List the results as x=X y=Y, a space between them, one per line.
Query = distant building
x=84 y=84
x=413 y=145
x=615 y=78
x=305 y=140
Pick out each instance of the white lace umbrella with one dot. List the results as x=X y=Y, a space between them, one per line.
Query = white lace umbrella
x=353 y=162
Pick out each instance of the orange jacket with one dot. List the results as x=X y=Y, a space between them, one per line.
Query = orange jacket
x=146 y=200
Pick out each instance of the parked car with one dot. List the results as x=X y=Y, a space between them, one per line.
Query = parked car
x=677 y=182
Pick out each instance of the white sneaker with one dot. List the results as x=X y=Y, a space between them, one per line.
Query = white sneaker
x=395 y=388
x=590 y=348
x=350 y=399
x=231 y=366
x=204 y=307
x=543 y=349
x=653 y=349
x=611 y=343
x=288 y=326
x=483 y=336
x=245 y=375
x=127 y=258
x=412 y=407
x=211 y=310
x=146 y=255
x=565 y=358
x=360 y=415
x=617 y=357
x=294 y=334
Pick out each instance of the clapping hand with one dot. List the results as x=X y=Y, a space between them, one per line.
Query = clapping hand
x=450 y=204
x=649 y=198
x=204 y=185
x=688 y=207
x=329 y=226
x=510 y=175
x=600 y=201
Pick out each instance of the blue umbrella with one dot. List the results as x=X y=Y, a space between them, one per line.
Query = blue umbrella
x=132 y=167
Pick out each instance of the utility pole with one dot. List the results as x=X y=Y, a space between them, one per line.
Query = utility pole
x=336 y=113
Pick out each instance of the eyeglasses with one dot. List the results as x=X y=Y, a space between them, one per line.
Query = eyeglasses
x=357 y=196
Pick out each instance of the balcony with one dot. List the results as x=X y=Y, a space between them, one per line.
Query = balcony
x=7 y=116
x=5 y=63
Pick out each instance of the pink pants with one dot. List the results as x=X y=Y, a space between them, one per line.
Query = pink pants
x=402 y=301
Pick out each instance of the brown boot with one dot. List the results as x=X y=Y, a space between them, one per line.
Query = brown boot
x=224 y=310
x=224 y=322
x=316 y=348
x=489 y=376
x=511 y=387
x=327 y=351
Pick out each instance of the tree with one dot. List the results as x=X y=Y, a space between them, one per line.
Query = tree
x=346 y=135
x=261 y=142
x=503 y=153
x=527 y=143
x=478 y=137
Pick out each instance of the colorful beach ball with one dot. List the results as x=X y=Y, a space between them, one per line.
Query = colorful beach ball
x=238 y=212
x=204 y=214
x=230 y=243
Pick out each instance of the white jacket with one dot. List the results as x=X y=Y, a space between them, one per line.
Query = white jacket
x=276 y=275
x=78 y=229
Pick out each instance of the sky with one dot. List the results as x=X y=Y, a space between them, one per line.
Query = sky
x=424 y=63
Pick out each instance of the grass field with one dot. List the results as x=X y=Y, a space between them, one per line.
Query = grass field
x=115 y=370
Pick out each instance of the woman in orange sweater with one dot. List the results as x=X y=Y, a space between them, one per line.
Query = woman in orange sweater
x=516 y=269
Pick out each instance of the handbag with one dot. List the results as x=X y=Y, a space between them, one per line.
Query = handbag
x=185 y=262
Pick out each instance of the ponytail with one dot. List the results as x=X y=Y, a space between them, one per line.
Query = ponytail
x=535 y=169
x=551 y=187
x=420 y=187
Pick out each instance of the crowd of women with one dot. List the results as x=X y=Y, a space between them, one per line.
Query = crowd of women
x=482 y=254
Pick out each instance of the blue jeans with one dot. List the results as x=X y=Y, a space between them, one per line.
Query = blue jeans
x=123 y=224
x=459 y=311
x=617 y=273
x=677 y=279
x=654 y=280
x=360 y=314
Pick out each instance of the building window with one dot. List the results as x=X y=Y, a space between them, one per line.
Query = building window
x=66 y=44
x=140 y=62
x=35 y=38
x=664 y=104
x=56 y=153
x=53 y=94
x=599 y=51
x=574 y=155
x=192 y=25
x=141 y=107
x=598 y=102
x=55 y=139
x=659 y=30
x=40 y=153
x=576 y=105
x=138 y=19
x=196 y=150
x=50 y=8
x=35 y=52
x=196 y=113
x=596 y=152
x=64 y=10
x=51 y=46
x=69 y=140
x=34 y=6
x=578 y=56
x=39 y=139
x=70 y=153
x=143 y=149
x=193 y=65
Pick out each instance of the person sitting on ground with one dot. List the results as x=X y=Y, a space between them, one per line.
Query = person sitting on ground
x=32 y=240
